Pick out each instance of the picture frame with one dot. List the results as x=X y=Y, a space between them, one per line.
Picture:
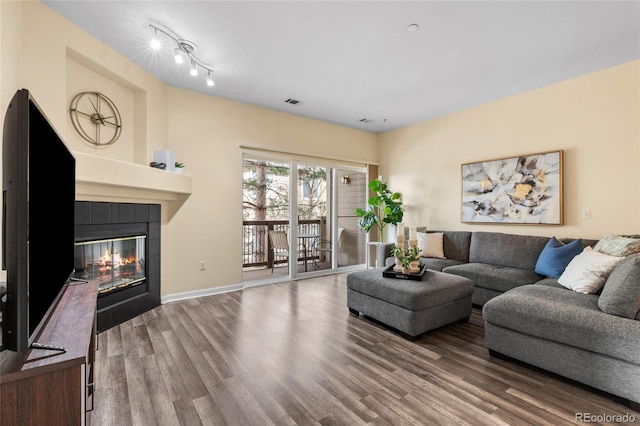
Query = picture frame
x=516 y=190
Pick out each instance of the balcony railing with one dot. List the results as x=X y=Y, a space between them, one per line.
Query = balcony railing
x=255 y=240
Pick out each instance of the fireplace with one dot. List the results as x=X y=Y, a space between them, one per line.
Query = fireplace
x=114 y=264
x=118 y=245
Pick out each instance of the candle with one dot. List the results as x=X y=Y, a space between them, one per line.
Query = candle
x=413 y=234
x=400 y=229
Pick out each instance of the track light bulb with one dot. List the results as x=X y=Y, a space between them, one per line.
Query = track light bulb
x=194 y=69
x=155 y=41
x=178 y=56
x=210 y=82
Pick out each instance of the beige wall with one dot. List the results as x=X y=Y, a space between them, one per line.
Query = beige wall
x=60 y=60
x=54 y=59
x=206 y=134
x=594 y=119
x=10 y=48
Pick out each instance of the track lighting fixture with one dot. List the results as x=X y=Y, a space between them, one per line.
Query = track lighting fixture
x=178 y=55
x=155 y=41
x=194 y=68
x=183 y=47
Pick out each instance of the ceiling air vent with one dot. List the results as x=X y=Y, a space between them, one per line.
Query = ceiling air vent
x=292 y=101
x=366 y=121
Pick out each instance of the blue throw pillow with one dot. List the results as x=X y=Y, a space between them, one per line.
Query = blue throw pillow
x=556 y=255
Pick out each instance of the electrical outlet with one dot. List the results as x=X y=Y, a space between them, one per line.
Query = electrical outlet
x=586 y=214
x=202 y=268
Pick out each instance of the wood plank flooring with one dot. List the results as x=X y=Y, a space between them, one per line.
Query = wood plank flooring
x=291 y=354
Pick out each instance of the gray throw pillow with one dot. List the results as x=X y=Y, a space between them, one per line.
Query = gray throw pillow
x=621 y=293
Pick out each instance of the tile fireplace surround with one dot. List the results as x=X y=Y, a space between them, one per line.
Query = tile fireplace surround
x=104 y=220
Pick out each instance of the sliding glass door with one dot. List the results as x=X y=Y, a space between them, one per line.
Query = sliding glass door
x=314 y=221
x=265 y=210
x=300 y=202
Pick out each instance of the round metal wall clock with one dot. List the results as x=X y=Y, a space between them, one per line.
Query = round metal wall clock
x=95 y=118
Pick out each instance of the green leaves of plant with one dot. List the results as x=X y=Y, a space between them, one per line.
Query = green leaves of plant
x=368 y=220
x=384 y=208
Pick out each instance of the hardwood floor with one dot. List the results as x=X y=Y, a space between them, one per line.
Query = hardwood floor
x=281 y=270
x=292 y=354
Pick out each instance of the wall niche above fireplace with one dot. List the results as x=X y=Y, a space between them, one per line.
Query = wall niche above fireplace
x=128 y=235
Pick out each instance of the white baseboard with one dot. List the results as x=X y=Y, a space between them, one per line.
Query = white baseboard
x=200 y=293
x=236 y=287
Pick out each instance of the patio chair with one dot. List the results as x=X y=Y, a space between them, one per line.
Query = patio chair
x=323 y=246
x=279 y=245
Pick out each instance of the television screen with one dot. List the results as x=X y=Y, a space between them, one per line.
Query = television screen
x=38 y=220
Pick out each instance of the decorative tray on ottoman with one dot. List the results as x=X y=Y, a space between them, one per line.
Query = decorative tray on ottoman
x=390 y=273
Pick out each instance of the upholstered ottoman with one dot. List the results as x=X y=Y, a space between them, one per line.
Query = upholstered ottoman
x=411 y=307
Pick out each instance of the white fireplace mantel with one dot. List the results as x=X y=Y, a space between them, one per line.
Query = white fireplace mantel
x=104 y=179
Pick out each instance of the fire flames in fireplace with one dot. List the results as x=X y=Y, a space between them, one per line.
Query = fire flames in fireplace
x=114 y=263
x=114 y=259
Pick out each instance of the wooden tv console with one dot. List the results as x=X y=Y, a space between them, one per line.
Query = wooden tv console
x=51 y=387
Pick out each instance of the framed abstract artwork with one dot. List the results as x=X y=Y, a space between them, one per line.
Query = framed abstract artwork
x=516 y=190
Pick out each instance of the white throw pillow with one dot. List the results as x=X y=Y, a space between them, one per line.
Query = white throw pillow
x=588 y=271
x=431 y=245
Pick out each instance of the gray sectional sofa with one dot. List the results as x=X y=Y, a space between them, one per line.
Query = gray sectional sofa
x=534 y=319
x=494 y=261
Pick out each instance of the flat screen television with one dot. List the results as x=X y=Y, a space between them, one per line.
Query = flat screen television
x=38 y=204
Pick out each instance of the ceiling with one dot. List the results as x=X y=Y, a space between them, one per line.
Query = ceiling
x=349 y=61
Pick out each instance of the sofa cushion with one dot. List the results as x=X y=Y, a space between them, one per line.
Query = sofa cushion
x=431 y=244
x=435 y=264
x=556 y=255
x=618 y=245
x=587 y=272
x=431 y=263
x=516 y=251
x=567 y=317
x=456 y=245
x=586 y=242
x=550 y=282
x=621 y=293
x=494 y=277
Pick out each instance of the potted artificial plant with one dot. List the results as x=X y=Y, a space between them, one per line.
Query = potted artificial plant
x=384 y=208
x=179 y=167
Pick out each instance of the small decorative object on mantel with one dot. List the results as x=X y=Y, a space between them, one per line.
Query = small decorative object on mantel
x=167 y=157
x=157 y=165
x=179 y=168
